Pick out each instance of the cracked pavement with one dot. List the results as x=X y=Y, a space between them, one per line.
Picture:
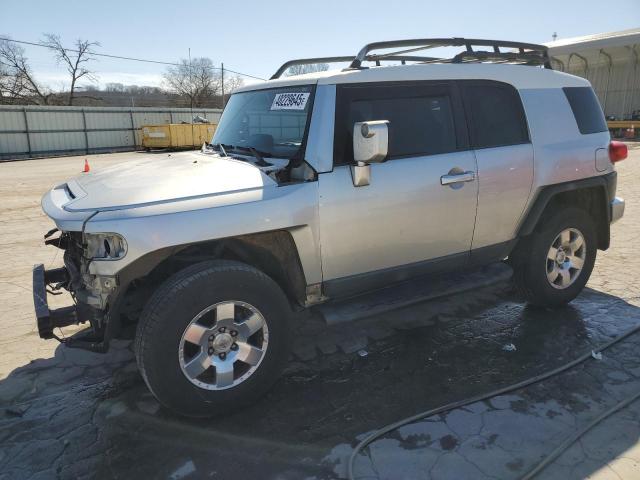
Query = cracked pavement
x=73 y=414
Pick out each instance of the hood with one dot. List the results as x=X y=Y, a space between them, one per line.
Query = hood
x=167 y=178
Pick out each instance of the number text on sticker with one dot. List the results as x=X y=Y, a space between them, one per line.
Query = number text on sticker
x=290 y=101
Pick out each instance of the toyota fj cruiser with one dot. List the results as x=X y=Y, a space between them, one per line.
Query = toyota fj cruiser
x=323 y=186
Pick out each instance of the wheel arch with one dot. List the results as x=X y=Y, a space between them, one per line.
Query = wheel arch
x=591 y=194
x=273 y=252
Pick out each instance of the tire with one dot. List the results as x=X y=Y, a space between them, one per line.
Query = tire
x=170 y=318
x=533 y=270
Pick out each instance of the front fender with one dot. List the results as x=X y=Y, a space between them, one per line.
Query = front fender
x=157 y=228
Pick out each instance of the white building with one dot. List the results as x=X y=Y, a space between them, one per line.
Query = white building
x=611 y=62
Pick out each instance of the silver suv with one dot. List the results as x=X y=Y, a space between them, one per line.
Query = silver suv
x=321 y=187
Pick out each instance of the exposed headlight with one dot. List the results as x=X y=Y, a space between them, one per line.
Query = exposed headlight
x=105 y=246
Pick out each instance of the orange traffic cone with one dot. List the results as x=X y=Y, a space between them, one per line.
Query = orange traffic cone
x=87 y=168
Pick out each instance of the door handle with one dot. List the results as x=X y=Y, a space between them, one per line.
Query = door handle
x=457 y=178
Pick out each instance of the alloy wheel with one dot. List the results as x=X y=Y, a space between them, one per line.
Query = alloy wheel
x=566 y=258
x=223 y=345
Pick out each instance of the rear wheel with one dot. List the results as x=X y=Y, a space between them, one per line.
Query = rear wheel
x=213 y=338
x=553 y=264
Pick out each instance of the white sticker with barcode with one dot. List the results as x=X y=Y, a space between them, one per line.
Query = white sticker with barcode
x=290 y=101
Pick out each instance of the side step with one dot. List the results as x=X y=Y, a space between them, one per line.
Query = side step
x=417 y=290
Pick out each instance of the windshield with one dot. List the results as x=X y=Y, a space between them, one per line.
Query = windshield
x=271 y=121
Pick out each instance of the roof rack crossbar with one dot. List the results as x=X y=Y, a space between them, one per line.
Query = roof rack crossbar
x=400 y=58
x=399 y=52
x=530 y=58
x=403 y=59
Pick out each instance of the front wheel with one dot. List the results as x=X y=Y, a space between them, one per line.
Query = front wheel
x=553 y=264
x=213 y=338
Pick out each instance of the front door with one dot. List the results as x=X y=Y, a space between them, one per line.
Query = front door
x=420 y=206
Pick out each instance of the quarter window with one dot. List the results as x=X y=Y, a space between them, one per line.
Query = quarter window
x=586 y=109
x=496 y=116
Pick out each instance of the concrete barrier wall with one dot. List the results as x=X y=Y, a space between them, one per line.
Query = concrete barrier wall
x=38 y=131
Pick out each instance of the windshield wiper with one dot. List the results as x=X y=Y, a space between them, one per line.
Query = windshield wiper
x=259 y=157
x=221 y=147
x=257 y=154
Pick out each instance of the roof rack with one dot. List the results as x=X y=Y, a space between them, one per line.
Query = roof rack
x=521 y=53
x=309 y=61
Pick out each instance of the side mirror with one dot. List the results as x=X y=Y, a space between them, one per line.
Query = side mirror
x=371 y=141
x=370 y=145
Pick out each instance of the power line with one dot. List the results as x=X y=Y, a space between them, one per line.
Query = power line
x=132 y=59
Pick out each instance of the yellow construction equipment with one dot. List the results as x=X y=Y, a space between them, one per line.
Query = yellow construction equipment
x=177 y=135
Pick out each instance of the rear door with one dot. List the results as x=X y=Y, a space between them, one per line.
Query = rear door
x=500 y=138
x=419 y=209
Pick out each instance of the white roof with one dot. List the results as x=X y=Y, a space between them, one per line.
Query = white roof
x=596 y=41
x=520 y=76
x=598 y=48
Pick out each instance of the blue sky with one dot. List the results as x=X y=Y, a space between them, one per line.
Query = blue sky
x=256 y=37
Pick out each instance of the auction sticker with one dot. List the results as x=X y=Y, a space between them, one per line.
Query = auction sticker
x=290 y=101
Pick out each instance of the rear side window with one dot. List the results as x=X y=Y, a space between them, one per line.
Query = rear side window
x=495 y=114
x=586 y=109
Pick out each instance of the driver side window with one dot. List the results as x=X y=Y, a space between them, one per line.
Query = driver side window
x=421 y=120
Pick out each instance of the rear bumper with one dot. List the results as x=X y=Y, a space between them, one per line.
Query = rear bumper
x=48 y=319
x=617 y=209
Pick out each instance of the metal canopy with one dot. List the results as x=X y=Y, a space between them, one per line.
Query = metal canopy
x=518 y=53
x=611 y=62
x=595 y=42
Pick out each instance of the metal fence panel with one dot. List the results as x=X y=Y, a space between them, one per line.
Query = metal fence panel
x=12 y=142
x=107 y=120
x=58 y=142
x=104 y=140
x=36 y=131
x=54 y=120
x=150 y=118
x=12 y=121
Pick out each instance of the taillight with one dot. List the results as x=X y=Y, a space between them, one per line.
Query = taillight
x=617 y=151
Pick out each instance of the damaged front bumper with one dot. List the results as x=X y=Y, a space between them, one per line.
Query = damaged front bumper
x=46 y=282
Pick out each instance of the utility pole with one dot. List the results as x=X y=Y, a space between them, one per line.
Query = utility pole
x=222 y=69
x=554 y=36
x=191 y=96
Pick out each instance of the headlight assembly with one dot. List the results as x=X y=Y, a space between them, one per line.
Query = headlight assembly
x=105 y=246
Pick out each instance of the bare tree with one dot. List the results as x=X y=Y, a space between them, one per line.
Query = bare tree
x=198 y=81
x=114 y=87
x=231 y=82
x=75 y=60
x=17 y=83
x=308 y=68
